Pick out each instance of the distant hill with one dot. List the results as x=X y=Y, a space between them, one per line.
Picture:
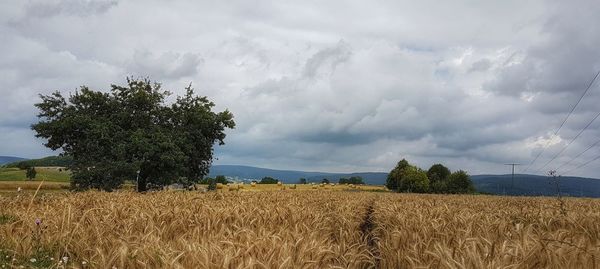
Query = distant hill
x=46 y=161
x=532 y=185
x=289 y=176
x=494 y=184
x=9 y=159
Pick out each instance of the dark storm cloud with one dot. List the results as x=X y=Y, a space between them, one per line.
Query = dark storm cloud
x=340 y=86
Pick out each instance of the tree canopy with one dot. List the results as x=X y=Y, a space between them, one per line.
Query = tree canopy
x=438 y=179
x=357 y=180
x=111 y=136
x=438 y=172
x=396 y=174
x=460 y=182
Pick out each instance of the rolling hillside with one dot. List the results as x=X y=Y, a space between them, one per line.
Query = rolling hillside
x=289 y=176
x=495 y=184
x=533 y=185
x=9 y=159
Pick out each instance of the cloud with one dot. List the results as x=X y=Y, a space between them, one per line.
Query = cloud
x=168 y=65
x=337 y=86
x=44 y=9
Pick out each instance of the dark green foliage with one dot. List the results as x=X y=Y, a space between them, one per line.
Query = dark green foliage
x=439 y=186
x=396 y=174
x=212 y=184
x=438 y=179
x=413 y=180
x=46 y=161
x=112 y=135
x=438 y=172
x=352 y=180
x=30 y=174
x=268 y=180
x=460 y=182
x=302 y=181
x=221 y=179
x=5 y=218
x=325 y=181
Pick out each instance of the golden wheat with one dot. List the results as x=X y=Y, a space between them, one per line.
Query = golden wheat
x=296 y=229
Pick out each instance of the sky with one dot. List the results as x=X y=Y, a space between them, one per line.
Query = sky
x=339 y=86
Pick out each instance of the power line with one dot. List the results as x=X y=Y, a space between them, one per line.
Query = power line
x=565 y=120
x=574 y=158
x=583 y=164
x=570 y=142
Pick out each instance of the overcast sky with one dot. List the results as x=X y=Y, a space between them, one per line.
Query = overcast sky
x=328 y=85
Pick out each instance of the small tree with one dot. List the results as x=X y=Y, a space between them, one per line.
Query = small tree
x=212 y=184
x=30 y=173
x=302 y=181
x=460 y=182
x=343 y=180
x=325 y=181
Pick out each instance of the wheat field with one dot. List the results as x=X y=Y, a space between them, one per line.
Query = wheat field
x=296 y=229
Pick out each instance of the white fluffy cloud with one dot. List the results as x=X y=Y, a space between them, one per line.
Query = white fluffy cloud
x=336 y=85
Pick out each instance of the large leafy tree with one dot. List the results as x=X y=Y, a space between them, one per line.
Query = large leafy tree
x=131 y=132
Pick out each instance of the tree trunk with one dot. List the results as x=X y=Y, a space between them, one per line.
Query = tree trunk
x=142 y=185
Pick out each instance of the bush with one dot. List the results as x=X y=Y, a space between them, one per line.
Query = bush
x=268 y=180
x=352 y=180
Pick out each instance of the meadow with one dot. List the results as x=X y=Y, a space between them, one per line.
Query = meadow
x=290 y=228
x=54 y=174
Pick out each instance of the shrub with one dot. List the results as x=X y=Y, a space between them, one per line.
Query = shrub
x=268 y=180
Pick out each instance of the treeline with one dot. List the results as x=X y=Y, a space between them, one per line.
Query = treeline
x=352 y=180
x=218 y=179
x=64 y=161
x=438 y=179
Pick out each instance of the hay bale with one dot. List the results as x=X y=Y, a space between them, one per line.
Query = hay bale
x=279 y=183
x=220 y=186
x=314 y=186
x=253 y=184
x=293 y=187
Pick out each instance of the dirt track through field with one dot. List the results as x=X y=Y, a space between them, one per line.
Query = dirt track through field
x=366 y=230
